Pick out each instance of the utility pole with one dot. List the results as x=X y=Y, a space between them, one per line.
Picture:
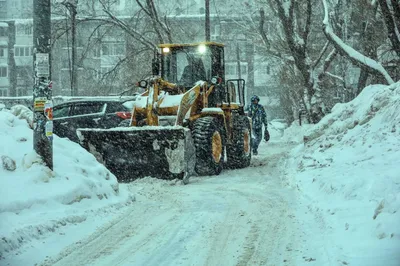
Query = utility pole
x=208 y=34
x=42 y=92
x=72 y=5
x=238 y=61
x=73 y=40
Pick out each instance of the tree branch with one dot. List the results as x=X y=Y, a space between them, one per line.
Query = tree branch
x=330 y=59
x=308 y=23
x=321 y=54
x=393 y=32
x=354 y=56
x=136 y=35
x=261 y=29
x=396 y=13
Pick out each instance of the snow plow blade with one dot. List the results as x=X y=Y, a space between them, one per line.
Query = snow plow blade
x=131 y=153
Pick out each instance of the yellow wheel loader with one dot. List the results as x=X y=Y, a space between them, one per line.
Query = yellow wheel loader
x=187 y=121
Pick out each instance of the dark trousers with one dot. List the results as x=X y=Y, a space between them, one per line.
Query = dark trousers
x=257 y=137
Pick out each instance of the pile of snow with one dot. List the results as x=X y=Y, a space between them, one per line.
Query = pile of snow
x=276 y=128
x=35 y=201
x=295 y=133
x=348 y=170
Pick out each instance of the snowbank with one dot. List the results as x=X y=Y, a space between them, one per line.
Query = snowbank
x=348 y=168
x=276 y=128
x=295 y=133
x=35 y=200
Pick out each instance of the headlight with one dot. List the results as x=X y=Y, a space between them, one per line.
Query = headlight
x=143 y=84
x=202 y=48
x=215 y=80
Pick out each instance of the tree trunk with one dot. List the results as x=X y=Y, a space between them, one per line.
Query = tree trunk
x=354 y=56
x=362 y=80
x=391 y=23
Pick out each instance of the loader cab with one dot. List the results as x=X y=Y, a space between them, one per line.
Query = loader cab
x=186 y=64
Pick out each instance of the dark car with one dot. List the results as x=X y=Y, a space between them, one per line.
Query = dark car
x=71 y=115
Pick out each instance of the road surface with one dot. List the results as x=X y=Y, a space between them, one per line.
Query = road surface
x=241 y=217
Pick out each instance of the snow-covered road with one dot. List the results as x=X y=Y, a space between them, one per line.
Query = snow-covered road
x=335 y=200
x=241 y=217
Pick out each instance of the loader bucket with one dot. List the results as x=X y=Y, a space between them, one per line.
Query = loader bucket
x=135 y=152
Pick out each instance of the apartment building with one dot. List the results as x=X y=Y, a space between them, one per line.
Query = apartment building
x=4 y=81
x=101 y=49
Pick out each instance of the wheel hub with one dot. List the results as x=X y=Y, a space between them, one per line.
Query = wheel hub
x=216 y=146
x=246 y=142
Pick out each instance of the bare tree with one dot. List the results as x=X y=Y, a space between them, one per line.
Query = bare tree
x=297 y=41
x=354 y=56
x=140 y=32
x=297 y=24
x=391 y=14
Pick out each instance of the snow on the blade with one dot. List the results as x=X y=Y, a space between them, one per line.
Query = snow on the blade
x=175 y=157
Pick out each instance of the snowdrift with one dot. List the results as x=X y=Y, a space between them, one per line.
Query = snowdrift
x=348 y=168
x=35 y=200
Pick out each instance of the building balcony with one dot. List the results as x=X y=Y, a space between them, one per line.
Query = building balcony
x=23 y=60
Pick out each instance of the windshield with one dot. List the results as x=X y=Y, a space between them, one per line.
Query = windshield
x=186 y=66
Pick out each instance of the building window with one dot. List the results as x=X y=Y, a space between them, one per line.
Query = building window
x=3 y=71
x=2 y=52
x=113 y=49
x=265 y=69
x=3 y=92
x=3 y=9
x=97 y=75
x=105 y=49
x=96 y=51
x=24 y=29
x=231 y=69
x=22 y=91
x=23 y=50
x=243 y=69
x=3 y=31
x=107 y=70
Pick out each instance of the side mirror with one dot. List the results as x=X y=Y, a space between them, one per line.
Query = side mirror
x=155 y=66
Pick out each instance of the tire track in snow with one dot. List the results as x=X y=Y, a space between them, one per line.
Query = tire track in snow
x=237 y=218
x=104 y=241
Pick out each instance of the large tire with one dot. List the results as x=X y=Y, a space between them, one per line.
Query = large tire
x=239 y=153
x=209 y=141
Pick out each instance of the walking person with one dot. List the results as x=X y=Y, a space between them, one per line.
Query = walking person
x=259 y=118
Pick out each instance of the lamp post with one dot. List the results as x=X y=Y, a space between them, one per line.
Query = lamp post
x=72 y=5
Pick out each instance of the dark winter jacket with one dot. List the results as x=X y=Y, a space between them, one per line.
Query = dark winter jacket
x=258 y=115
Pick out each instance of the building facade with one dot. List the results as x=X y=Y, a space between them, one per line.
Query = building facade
x=4 y=80
x=101 y=49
